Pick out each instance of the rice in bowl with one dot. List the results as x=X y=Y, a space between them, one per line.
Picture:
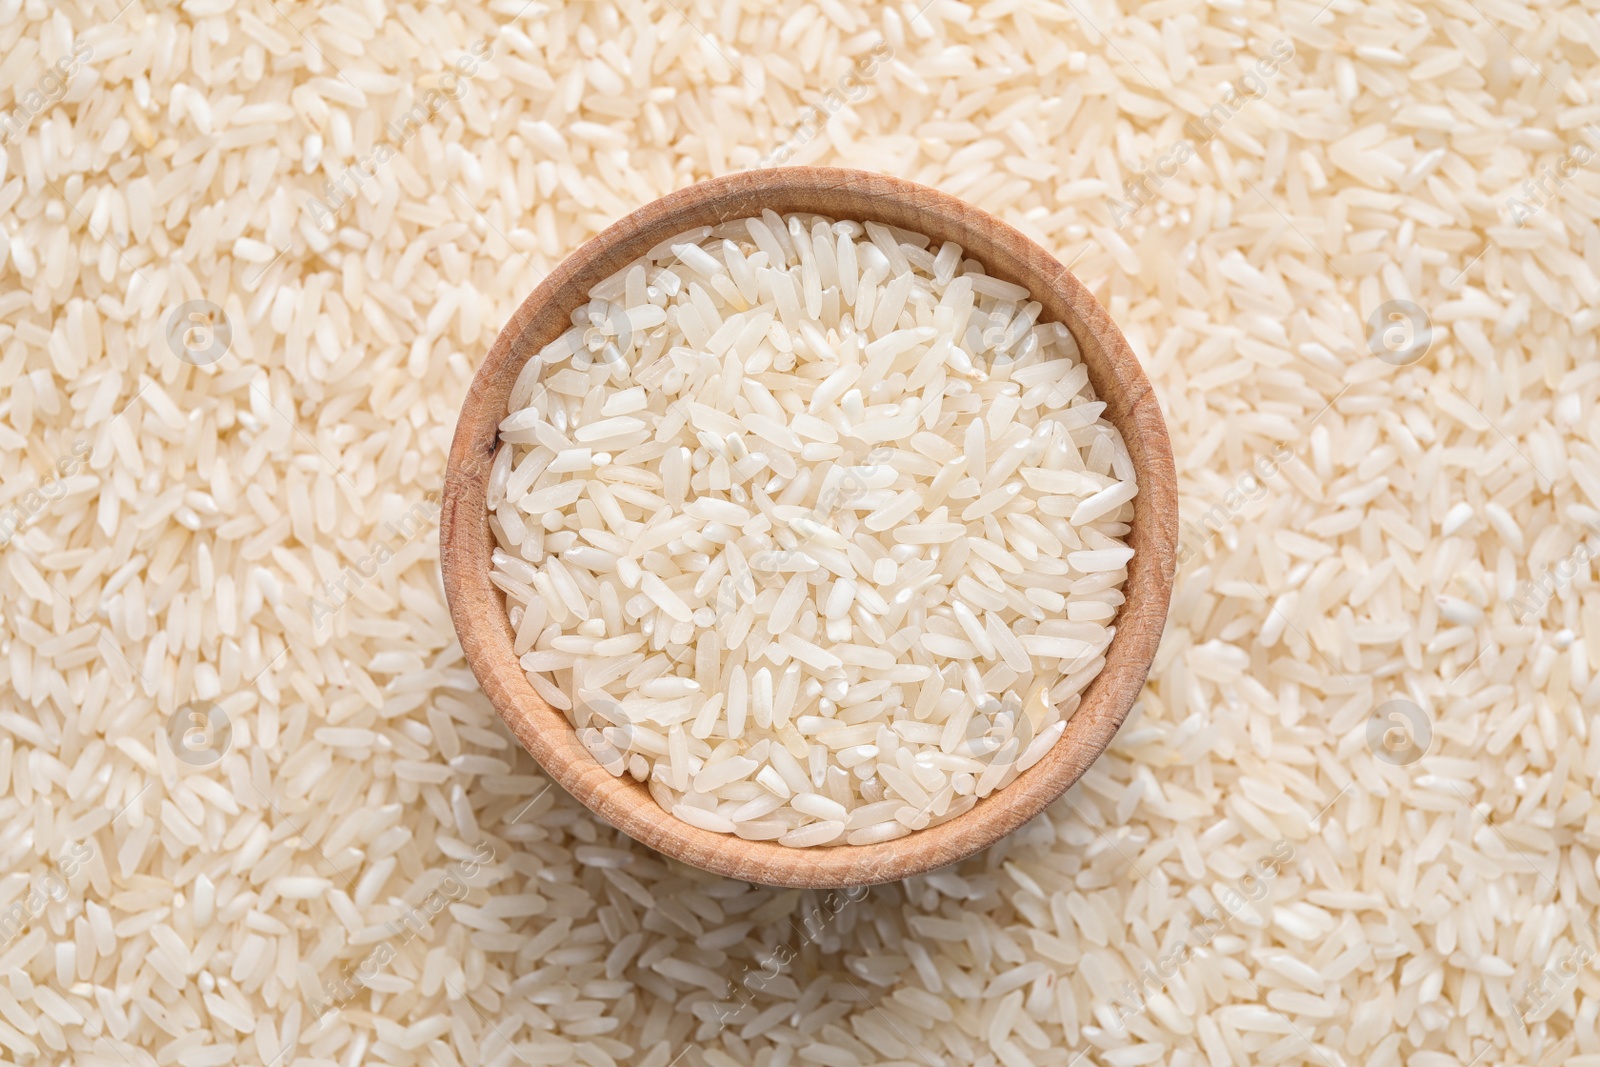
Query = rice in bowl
x=811 y=526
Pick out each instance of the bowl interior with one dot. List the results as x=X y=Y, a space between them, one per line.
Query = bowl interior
x=478 y=609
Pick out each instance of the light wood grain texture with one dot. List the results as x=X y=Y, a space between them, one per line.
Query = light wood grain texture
x=479 y=612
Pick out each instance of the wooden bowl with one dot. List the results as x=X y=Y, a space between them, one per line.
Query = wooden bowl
x=478 y=608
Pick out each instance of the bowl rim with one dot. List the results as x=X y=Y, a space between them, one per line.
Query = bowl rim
x=477 y=607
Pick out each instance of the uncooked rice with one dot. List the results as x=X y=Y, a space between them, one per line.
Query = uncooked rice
x=813 y=527
x=237 y=533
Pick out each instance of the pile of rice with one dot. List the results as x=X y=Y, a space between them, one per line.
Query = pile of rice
x=812 y=527
x=253 y=808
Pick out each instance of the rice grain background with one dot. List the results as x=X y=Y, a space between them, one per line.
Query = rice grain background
x=253 y=808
